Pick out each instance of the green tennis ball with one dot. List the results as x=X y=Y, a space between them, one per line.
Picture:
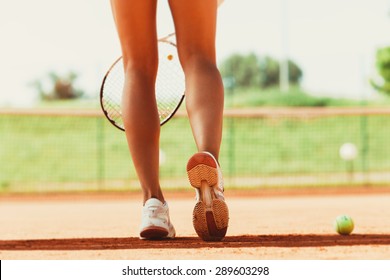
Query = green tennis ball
x=344 y=225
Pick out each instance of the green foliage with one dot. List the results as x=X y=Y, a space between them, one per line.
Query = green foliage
x=70 y=149
x=273 y=97
x=244 y=69
x=253 y=71
x=383 y=68
x=269 y=71
x=60 y=87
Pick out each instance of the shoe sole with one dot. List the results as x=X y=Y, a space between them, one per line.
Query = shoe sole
x=210 y=214
x=154 y=233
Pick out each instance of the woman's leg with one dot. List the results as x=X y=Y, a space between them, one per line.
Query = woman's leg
x=136 y=25
x=195 y=24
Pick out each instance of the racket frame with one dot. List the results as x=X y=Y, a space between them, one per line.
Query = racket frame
x=164 y=40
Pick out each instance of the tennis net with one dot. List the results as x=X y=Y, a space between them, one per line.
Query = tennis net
x=62 y=150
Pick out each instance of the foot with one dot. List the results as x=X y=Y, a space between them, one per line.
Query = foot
x=156 y=223
x=211 y=214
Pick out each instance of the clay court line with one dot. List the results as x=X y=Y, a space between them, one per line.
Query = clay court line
x=244 y=241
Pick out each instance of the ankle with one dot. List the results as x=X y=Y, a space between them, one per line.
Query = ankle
x=148 y=196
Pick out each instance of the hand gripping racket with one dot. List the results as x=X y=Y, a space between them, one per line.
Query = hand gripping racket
x=170 y=85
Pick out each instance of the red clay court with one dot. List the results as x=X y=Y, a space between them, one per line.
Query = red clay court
x=273 y=225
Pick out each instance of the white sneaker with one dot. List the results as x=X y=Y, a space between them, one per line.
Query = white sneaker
x=211 y=214
x=156 y=223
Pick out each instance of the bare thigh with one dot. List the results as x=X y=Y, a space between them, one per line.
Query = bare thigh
x=195 y=25
x=136 y=26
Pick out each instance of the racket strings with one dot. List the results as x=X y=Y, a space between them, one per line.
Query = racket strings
x=170 y=86
x=170 y=81
x=112 y=94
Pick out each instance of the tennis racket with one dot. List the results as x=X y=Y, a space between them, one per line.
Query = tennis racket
x=170 y=85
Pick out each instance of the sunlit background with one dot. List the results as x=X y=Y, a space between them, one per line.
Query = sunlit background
x=333 y=41
x=277 y=132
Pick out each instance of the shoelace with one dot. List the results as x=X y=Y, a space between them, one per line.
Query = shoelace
x=155 y=212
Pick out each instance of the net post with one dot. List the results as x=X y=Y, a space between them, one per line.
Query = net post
x=100 y=152
x=229 y=85
x=365 y=147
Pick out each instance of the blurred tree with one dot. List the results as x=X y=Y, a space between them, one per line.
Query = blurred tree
x=269 y=72
x=59 y=87
x=295 y=73
x=382 y=84
x=244 y=69
x=253 y=71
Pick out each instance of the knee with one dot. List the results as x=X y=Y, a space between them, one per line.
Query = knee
x=198 y=62
x=145 y=67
